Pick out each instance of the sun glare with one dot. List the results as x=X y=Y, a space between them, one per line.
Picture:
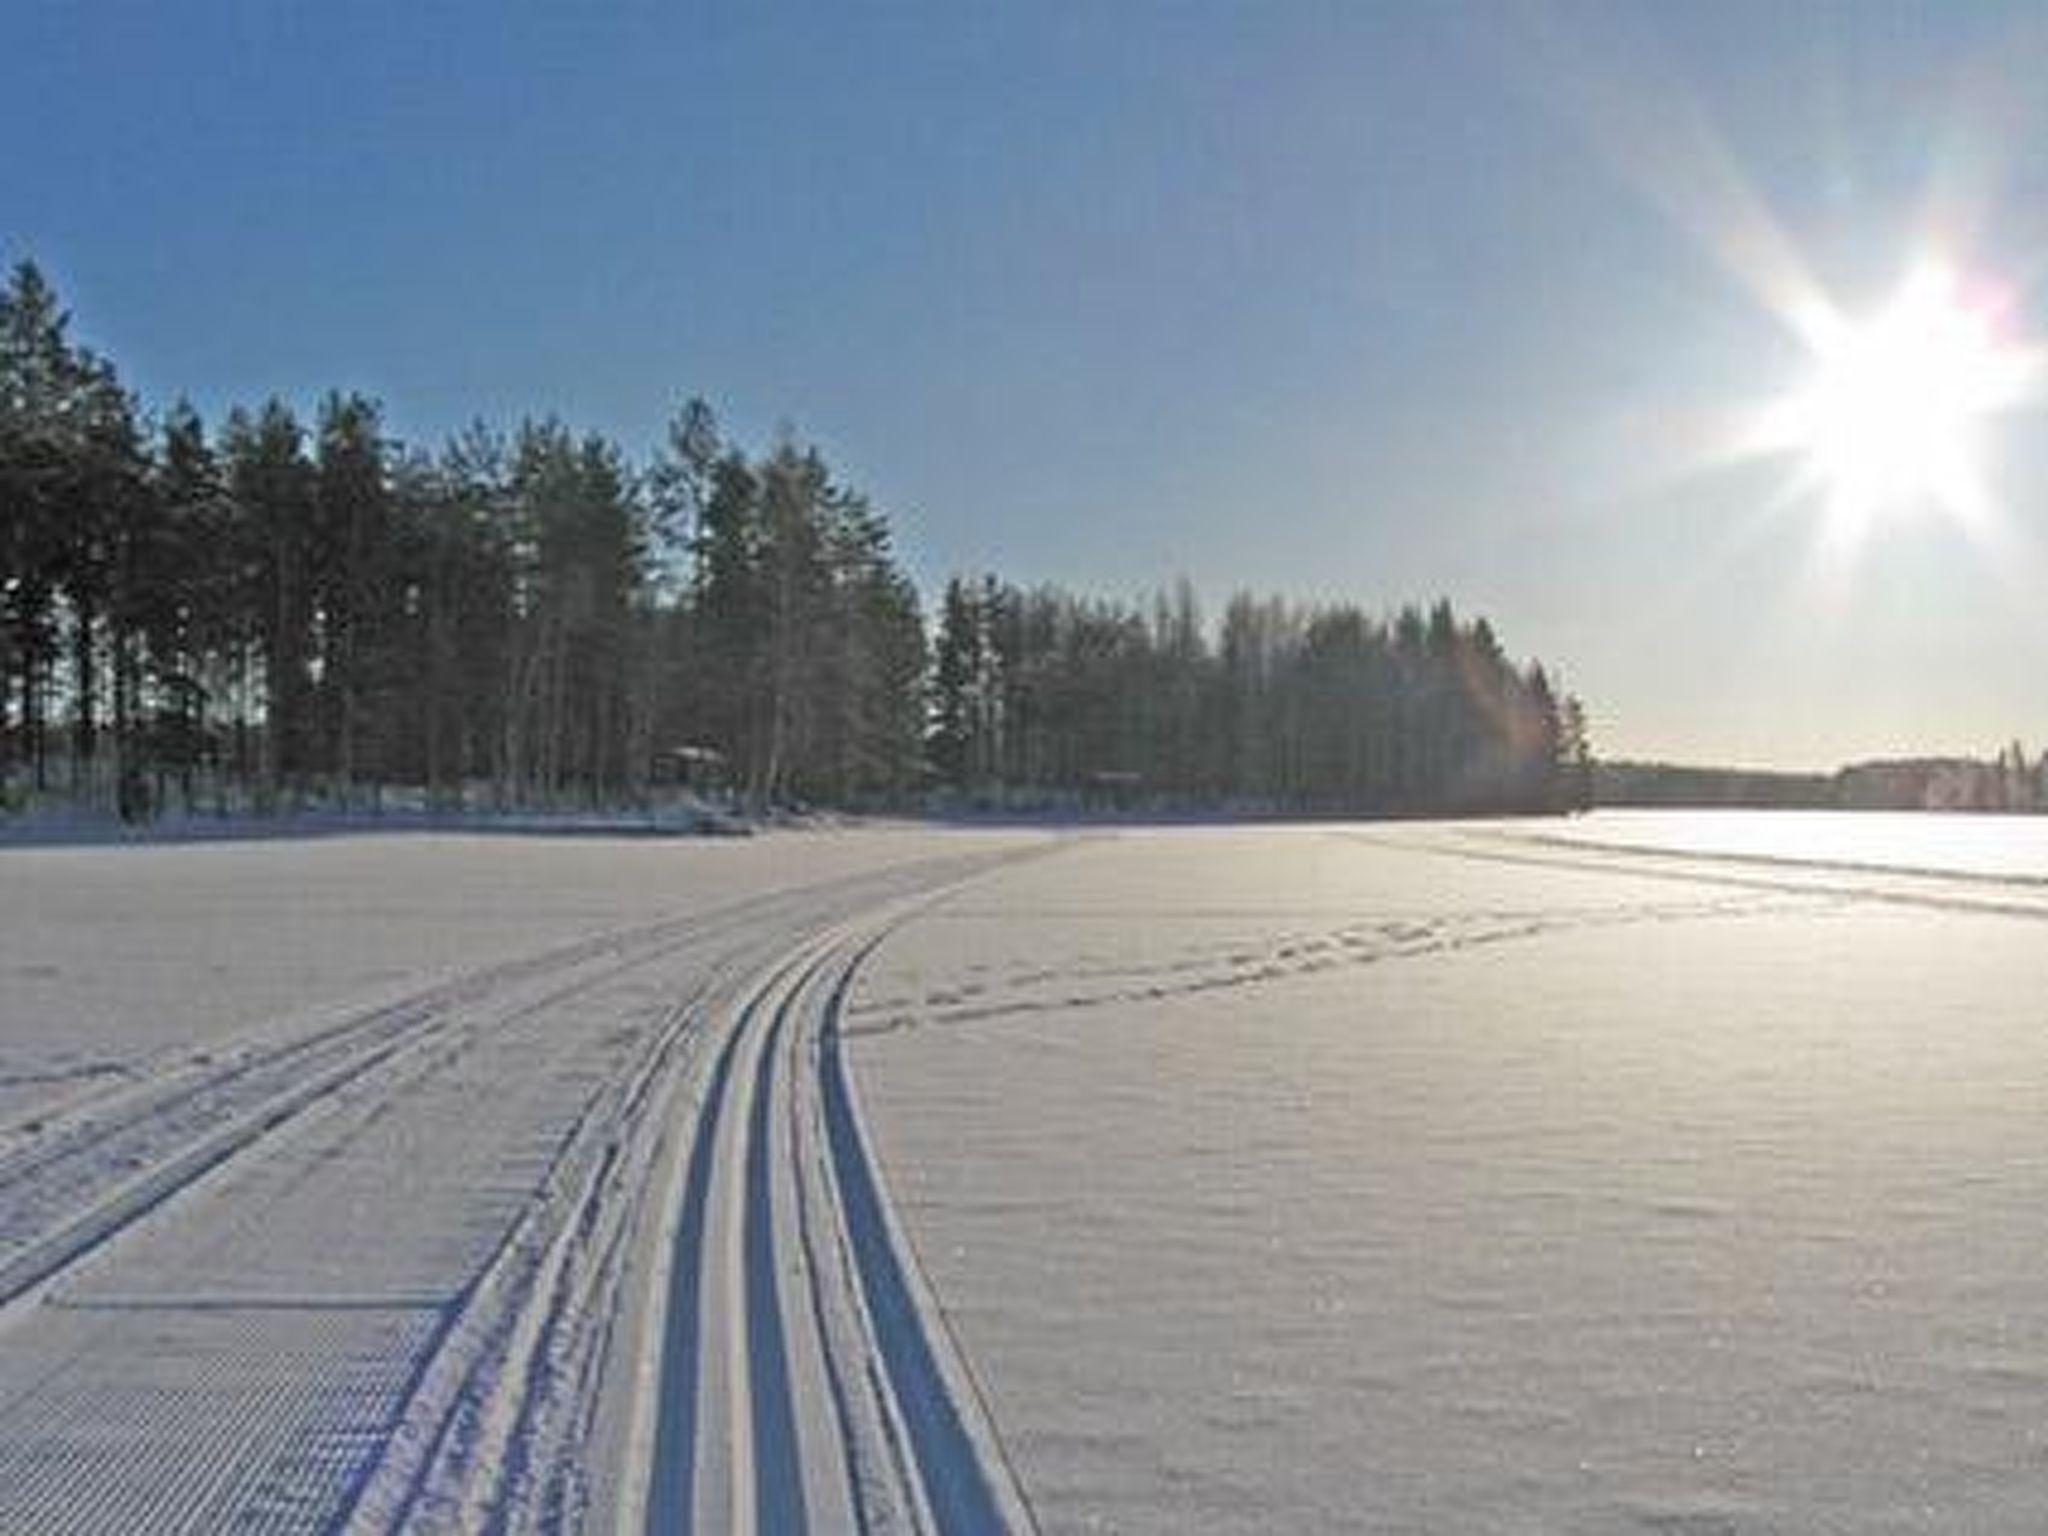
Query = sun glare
x=1889 y=419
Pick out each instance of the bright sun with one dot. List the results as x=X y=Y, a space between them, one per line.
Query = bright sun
x=1889 y=417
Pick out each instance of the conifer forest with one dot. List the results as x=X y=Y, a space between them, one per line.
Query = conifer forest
x=290 y=608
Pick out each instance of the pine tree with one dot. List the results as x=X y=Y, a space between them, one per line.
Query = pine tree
x=355 y=577
x=272 y=482
x=957 y=667
x=34 y=361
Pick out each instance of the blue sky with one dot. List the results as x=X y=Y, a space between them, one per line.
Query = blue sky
x=1336 y=299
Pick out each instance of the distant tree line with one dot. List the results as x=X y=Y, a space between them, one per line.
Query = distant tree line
x=2011 y=781
x=1622 y=783
x=1040 y=693
x=277 y=612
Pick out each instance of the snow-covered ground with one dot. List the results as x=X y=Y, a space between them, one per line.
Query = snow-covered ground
x=1446 y=1179
x=112 y=957
x=2007 y=847
x=1672 y=1173
x=371 y=1211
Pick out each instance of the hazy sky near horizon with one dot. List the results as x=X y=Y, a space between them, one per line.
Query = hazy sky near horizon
x=1340 y=300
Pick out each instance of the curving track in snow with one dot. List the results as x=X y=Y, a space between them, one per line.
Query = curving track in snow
x=808 y=1381
x=425 y=1263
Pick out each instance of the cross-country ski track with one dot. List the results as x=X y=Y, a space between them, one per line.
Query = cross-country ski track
x=588 y=1239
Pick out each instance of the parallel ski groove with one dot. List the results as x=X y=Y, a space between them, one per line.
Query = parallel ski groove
x=776 y=1468
x=961 y=1476
x=808 y=1381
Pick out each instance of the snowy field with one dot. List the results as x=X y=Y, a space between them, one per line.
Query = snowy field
x=1672 y=1173
x=111 y=957
x=1443 y=1179
x=2007 y=847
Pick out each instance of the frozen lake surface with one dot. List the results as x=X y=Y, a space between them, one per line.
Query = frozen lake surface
x=1439 y=1179
x=2010 y=847
x=113 y=956
x=1642 y=1172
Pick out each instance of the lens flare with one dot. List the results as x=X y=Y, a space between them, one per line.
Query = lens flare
x=1890 y=418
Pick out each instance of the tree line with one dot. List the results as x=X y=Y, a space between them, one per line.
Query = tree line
x=2011 y=781
x=277 y=611
x=1043 y=694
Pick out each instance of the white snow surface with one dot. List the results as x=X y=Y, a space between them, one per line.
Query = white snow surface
x=367 y=1222
x=2012 y=846
x=1628 y=1174
x=111 y=957
x=1427 y=1178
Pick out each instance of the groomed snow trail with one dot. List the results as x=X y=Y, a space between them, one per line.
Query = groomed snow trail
x=808 y=1381
x=407 y=1265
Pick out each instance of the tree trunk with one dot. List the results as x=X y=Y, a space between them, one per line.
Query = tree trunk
x=85 y=675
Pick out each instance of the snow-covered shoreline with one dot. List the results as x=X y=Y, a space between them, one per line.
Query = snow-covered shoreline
x=64 y=828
